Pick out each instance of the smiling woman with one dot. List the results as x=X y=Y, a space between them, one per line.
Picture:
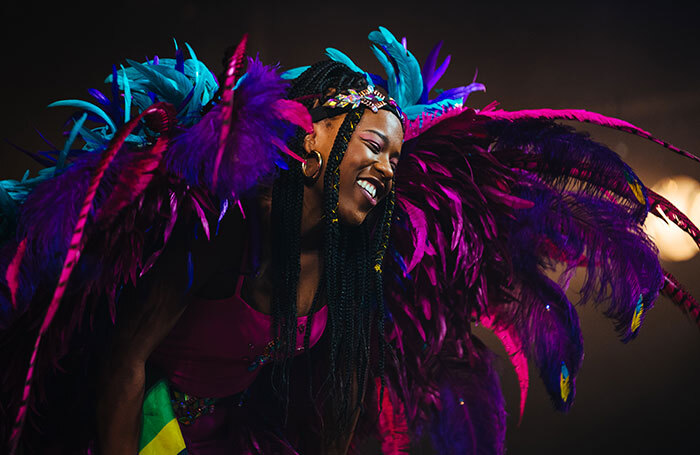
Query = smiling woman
x=289 y=263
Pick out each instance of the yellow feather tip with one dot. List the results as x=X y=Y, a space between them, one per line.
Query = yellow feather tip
x=637 y=318
x=637 y=190
x=564 y=382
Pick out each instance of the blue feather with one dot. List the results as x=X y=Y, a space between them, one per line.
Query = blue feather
x=61 y=161
x=391 y=79
x=336 y=55
x=87 y=107
x=294 y=72
x=127 y=98
x=410 y=79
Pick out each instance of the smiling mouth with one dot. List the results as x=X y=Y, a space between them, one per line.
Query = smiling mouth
x=369 y=189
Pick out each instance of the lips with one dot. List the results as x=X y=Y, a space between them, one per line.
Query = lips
x=372 y=188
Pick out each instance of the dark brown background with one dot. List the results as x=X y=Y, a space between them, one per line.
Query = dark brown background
x=635 y=61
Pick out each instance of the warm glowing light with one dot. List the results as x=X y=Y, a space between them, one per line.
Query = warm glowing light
x=674 y=244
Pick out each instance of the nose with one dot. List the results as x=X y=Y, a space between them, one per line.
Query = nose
x=383 y=166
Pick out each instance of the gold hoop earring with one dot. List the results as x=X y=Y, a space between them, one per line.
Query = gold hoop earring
x=315 y=169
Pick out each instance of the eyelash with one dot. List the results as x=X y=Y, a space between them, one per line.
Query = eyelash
x=374 y=147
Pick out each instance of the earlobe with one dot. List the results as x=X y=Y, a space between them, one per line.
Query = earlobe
x=311 y=167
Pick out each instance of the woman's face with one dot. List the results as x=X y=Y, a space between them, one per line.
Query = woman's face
x=367 y=168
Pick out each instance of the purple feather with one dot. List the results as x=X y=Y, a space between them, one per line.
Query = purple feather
x=250 y=153
x=472 y=415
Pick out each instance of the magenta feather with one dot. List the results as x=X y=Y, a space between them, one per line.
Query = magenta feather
x=12 y=273
x=234 y=65
x=662 y=207
x=166 y=234
x=202 y=217
x=581 y=115
x=72 y=257
x=393 y=430
x=135 y=178
x=425 y=121
x=678 y=295
x=516 y=354
x=294 y=113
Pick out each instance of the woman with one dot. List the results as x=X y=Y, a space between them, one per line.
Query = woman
x=486 y=202
x=367 y=144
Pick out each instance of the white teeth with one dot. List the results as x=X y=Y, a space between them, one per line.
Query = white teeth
x=371 y=189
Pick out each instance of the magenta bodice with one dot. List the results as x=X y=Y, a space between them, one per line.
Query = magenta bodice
x=218 y=347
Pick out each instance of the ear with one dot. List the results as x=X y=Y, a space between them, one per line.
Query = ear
x=315 y=140
x=310 y=141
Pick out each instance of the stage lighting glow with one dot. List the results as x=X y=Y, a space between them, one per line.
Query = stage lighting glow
x=674 y=244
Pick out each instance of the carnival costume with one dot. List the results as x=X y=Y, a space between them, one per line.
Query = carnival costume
x=486 y=202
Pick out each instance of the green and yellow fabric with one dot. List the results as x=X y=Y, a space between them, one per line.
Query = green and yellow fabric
x=160 y=431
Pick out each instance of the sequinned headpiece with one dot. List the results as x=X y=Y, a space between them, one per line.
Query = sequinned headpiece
x=350 y=99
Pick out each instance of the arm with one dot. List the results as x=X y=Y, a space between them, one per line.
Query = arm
x=146 y=315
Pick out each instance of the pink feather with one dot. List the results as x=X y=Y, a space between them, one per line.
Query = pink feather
x=581 y=115
x=283 y=147
x=132 y=182
x=12 y=273
x=295 y=113
x=202 y=216
x=515 y=352
x=678 y=295
x=392 y=425
x=507 y=199
x=72 y=257
x=227 y=104
x=658 y=205
x=425 y=121
x=166 y=235
x=419 y=231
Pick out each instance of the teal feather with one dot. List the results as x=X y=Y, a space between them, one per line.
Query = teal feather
x=127 y=98
x=410 y=79
x=87 y=107
x=294 y=72
x=193 y=56
x=391 y=78
x=336 y=55
x=416 y=110
x=61 y=161
x=96 y=139
x=165 y=82
x=141 y=101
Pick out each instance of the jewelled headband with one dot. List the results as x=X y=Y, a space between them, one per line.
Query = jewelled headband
x=350 y=99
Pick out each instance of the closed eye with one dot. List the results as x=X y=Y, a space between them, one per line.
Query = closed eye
x=373 y=146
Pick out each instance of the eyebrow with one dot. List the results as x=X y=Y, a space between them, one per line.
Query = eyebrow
x=381 y=136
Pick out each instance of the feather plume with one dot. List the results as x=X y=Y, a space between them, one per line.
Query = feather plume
x=471 y=418
x=584 y=116
x=72 y=257
x=250 y=152
x=138 y=175
x=512 y=344
x=678 y=295
x=664 y=209
x=234 y=65
x=403 y=67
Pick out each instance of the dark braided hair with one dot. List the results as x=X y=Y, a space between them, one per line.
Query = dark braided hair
x=352 y=256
